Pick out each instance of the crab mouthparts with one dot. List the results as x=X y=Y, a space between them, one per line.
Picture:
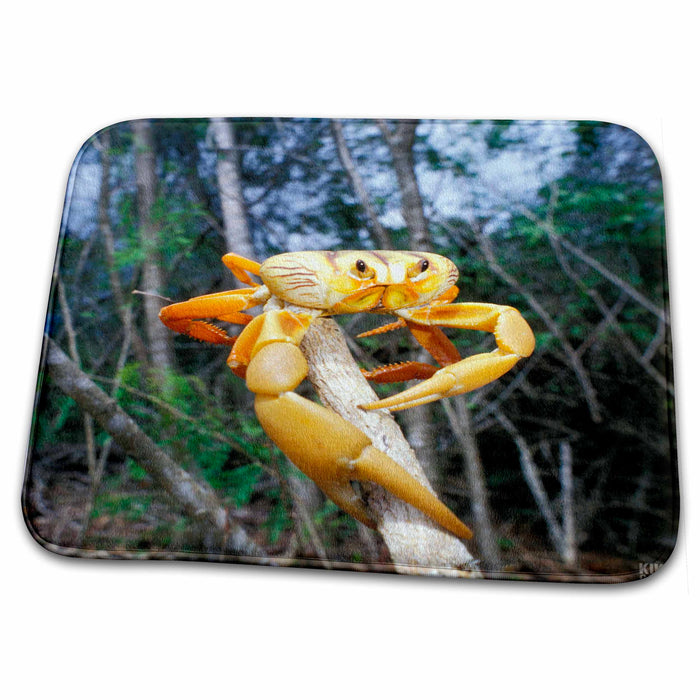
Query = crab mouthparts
x=397 y=296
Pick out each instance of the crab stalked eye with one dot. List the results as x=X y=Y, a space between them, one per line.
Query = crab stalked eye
x=364 y=271
x=418 y=268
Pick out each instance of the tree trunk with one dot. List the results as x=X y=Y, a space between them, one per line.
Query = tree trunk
x=159 y=337
x=417 y=545
x=228 y=176
x=124 y=308
x=459 y=416
x=400 y=141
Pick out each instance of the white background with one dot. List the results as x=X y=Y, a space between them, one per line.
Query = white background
x=73 y=629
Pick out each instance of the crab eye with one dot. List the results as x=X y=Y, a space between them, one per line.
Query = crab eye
x=364 y=270
x=418 y=268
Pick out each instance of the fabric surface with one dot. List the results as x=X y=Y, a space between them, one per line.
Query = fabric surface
x=521 y=267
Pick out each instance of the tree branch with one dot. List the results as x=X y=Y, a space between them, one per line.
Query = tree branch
x=346 y=160
x=416 y=544
x=400 y=142
x=554 y=329
x=548 y=227
x=563 y=535
x=459 y=418
x=193 y=496
x=609 y=314
x=228 y=176
x=160 y=343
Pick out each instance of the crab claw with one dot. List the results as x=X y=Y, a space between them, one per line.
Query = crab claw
x=466 y=375
x=513 y=336
x=326 y=447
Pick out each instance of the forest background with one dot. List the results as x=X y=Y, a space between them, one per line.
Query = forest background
x=564 y=467
x=617 y=81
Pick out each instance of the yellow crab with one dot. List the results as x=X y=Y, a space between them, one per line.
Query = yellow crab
x=417 y=288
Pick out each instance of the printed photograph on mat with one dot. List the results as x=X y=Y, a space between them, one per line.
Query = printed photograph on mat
x=419 y=347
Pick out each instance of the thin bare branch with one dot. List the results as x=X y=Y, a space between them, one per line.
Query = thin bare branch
x=562 y=534
x=124 y=311
x=609 y=314
x=88 y=427
x=533 y=480
x=358 y=186
x=566 y=479
x=553 y=327
x=548 y=227
x=657 y=341
x=459 y=418
x=302 y=518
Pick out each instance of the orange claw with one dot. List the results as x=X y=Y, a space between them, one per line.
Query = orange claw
x=393 y=326
x=514 y=339
x=468 y=374
x=185 y=316
x=240 y=267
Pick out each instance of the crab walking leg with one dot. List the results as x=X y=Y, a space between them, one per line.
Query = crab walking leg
x=322 y=444
x=513 y=336
x=186 y=316
x=241 y=266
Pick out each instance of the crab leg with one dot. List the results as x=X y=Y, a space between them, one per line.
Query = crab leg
x=241 y=266
x=322 y=444
x=186 y=316
x=514 y=340
x=430 y=337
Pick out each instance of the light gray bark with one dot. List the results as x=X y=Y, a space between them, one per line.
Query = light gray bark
x=562 y=533
x=159 y=337
x=459 y=417
x=401 y=139
x=417 y=545
x=569 y=549
x=228 y=176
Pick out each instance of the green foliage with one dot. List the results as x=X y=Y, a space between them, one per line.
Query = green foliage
x=61 y=422
x=178 y=220
x=277 y=521
x=238 y=484
x=130 y=251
